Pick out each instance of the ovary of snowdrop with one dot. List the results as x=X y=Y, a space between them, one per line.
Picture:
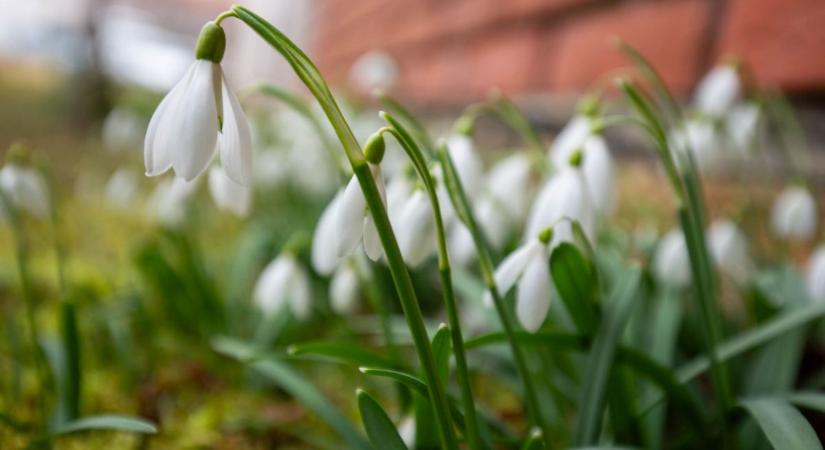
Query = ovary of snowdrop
x=815 y=275
x=794 y=214
x=718 y=91
x=671 y=262
x=229 y=195
x=563 y=198
x=467 y=163
x=167 y=203
x=284 y=282
x=198 y=113
x=25 y=188
x=375 y=70
x=416 y=229
x=121 y=188
x=528 y=269
x=343 y=289
x=729 y=248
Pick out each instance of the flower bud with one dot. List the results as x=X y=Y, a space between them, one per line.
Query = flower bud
x=211 y=43
x=546 y=235
x=375 y=147
x=576 y=158
x=465 y=125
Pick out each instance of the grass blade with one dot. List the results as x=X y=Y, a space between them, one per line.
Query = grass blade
x=110 y=422
x=380 y=429
x=342 y=352
x=576 y=282
x=783 y=425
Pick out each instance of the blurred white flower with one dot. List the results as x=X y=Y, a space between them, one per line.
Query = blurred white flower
x=25 y=188
x=495 y=225
x=399 y=190
x=343 y=289
x=270 y=169
x=528 y=269
x=374 y=70
x=742 y=125
x=671 y=262
x=794 y=214
x=698 y=137
x=121 y=188
x=570 y=139
x=718 y=91
x=406 y=429
x=284 y=281
x=229 y=195
x=729 y=248
x=325 y=239
x=815 y=275
x=460 y=244
x=564 y=196
x=167 y=203
x=508 y=184
x=467 y=163
x=198 y=113
x=354 y=222
x=416 y=230
x=122 y=129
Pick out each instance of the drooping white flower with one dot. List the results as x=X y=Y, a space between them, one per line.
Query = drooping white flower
x=528 y=269
x=324 y=255
x=416 y=230
x=564 y=196
x=495 y=225
x=508 y=185
x=399 y=189
x=121 y=188
x=698 y=137
x=718 y=91
x=467 y=163
x=729 y=249
x=122 y=129
x=198 y=113
x=25 y=188
x=229 y=195
x=374 y=70
x=570 y=138
x=343 y=289
x=284 y=282
x=671 y=263
x=460 y=244
x=354 y=222
x=815 y=275
x=794 y=214
x=742 y=126
x=167 y=203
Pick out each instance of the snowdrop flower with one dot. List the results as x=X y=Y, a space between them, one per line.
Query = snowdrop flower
x=528 y=269
x=671 y=262
x=198 y=113
x=407 y=429
x=25 y=188
x=284 y=282
x=794 y=214
x=229 y=195
x=121 y=188
x=324 y=254
x=399 y=189
x=122 y=129
x=167 y=202
x=698 y=137
x=467 y=163
x=416 y=229
x=343 y=289
x=729 y=249
x=374 y=71
x=742 y=125
x=718 y=91
x=495 y=225
x=815 y=275
x=508 y=184
x=570 y=138
x=460 y=244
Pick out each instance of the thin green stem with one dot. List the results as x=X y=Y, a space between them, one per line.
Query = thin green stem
x=414 y=127
x=307 y=72
x=414 y=153
x=465 y=214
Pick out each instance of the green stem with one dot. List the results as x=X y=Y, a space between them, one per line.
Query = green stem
x=414 y=153
x=462 y=208
x=307 y=72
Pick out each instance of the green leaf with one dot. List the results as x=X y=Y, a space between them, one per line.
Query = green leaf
x=110 y=422
x=69 y=373
x=618 y=307
x=576 y=282
x=404 y=378
x=343 y=352
x=783 y=425
x=441 y=351
x=380 y=429
x=807 y=399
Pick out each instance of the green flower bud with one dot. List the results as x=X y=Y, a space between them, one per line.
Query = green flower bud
x=546 y=235
x=576 y=158
x=374 y=148
x=211 y=43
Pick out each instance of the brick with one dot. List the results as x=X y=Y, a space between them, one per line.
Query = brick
x=668 y=33
x=782 y=41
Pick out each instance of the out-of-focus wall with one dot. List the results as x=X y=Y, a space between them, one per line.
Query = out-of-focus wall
x=453 y=51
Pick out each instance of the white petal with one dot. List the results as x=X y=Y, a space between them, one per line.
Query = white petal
x=235 y=139
x=416 y=230
x=570 y=139
x=815 y=275
x=300 y=294
x=159 y=146
x=533 y=296
x=350 y=221
x=325 y=239
x=511 y=268
x=718 y=90
x=598 y=172
x=794 y=214
x=467 y=163
x=671 y=263
x=121 y=188
x=228 y=194
x=508 y=183
x=372 y=242
x=729 y=249
x=195 y=122
x=343 y=290
x=271 y=289
x=26 y=189
x=461 y=245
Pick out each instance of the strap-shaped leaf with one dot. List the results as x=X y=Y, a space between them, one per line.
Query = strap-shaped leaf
x=441 y=352
x=111 y=422
x=783 y=425
x=575 y=280
x=344 y=352
x=380 y=429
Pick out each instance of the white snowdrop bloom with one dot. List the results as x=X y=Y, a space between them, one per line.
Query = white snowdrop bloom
x=718 y=90
x=528 y=269
x=25 y=188
x=270 y=170
x=416 y=230
x=570 y=138
x=406 y=429
x=374 y=70
x=794 y=214
x=198 y=113
x=700 y=139
x=121 y=188
x=399 y=190
x=493 y=222
x=815 y=275
x=284 y=282
x=742 y=125
x=343 y=289
x=324 y=255
x=354 y=222
x=167 y=203
x=460 y=244
x=671 y=262
x=729 y=249
x=564 y=196
x=229 y=195
x=508 y=184
x=467 y=163
x=122 y=129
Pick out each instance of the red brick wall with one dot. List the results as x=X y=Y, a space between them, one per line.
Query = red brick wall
x=453 y=51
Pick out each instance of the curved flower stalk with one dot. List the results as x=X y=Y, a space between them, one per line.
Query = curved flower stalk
x=198 y=113
x=344 y=290
x=718 y=91
x=284 y=282
x=815 y=275
x=671 y=263
x=794 y=214
x=729 y=248
x=229 y=195
x=25 y=189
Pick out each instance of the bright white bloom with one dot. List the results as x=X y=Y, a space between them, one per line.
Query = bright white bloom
x=168 y=201
x=815 y=276
x=467 y=163
x=528 y=269
x=698 y=137
x=564 y=196
x=416 y=229
x=671 y=263
x=229 y=195
x=794 y=214
x=399 y=189
x=121 y=188
x=374 y=70
x=25 y=188
x=495 y=225
x=354 y=222
x=729 y=249
x=406 y=429
x=343 y=289
x=718 y=91
x=122 y=129
x=460 y=244
x=284 y=281
x=325 y=239
x=198 y=113
x=570 y=138
x=508 y=184
x=742 y=125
